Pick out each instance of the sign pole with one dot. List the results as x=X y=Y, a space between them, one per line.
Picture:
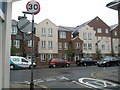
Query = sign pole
x=33 y=7
x=32 y=83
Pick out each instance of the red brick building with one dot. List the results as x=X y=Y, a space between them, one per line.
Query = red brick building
x=23 y=42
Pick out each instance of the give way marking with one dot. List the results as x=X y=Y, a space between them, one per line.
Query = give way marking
x=96 y=83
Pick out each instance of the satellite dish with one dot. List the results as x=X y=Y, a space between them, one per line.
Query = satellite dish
x=24 y=25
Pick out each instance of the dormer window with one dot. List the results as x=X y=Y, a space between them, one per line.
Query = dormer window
x=115 y=33
x=106 y=30
x=99 y=30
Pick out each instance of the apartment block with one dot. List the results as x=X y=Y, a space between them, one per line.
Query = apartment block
x=103 y=35
x=64 y=42
x=48 y=44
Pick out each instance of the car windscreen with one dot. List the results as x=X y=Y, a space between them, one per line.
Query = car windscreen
x=23 y=60
x=106 y=59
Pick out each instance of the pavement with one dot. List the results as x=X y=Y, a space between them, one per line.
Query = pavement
x=26 y=85
x=112 y=76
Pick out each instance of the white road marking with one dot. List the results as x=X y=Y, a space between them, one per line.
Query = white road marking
x=50 y=79
x=38 y=80
x=81 y=84
x=95 y=82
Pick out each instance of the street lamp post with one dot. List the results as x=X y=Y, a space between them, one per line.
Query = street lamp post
x=98 y=50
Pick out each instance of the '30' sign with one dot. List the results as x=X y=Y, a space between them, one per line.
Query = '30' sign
x=33 y=7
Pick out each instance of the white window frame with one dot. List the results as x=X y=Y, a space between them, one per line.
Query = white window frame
x=50 y=32
x=14 y=30
x=85 y=36
x=115 y=33
x=43 y=32
x=77 y=45
x=65 y=56
x=17 y=43
x=59 y=45
x=43 y=44
x=99 y=30
x=85 y=46
x=43 y=57
x=29 y=43
x=89 y=46
x=106 y=31
x=89 y=36
x=62 y=34
x=50 y=44
x=65 y=46
x=50 y=56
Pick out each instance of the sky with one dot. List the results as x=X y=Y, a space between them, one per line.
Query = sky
x=69 y=13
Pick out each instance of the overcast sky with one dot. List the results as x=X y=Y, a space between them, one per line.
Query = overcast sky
x=69 y=12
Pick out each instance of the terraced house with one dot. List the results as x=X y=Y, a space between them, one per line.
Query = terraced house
x=114 y=40
x=96 y=36
x=57 y=42
x=93 y=38
x=69 y=48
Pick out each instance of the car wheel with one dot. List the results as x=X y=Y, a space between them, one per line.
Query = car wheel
x=54 y=66
x=50 y=66
x=67 y=65
x=12 y=67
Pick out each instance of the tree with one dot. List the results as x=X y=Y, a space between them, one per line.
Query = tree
x=69 y=52
x=13 y=50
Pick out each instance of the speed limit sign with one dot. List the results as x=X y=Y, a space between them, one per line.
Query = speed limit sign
x=33 y=7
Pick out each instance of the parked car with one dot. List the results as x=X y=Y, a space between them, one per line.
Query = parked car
x=20 y=62
x=58 y=62
x=109 y=61
x=86 y=61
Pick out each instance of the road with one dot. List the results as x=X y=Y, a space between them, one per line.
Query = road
x=70 y=77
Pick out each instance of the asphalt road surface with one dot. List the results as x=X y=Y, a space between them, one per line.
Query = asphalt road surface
x=70 y=77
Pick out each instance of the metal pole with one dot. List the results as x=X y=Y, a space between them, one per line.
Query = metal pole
x=32 y=55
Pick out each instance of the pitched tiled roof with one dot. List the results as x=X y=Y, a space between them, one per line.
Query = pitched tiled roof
x=68 y=29
x=113 y=26
x=82 y=25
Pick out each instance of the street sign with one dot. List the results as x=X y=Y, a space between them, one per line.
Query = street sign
x=24 y=25
x=33 y=7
